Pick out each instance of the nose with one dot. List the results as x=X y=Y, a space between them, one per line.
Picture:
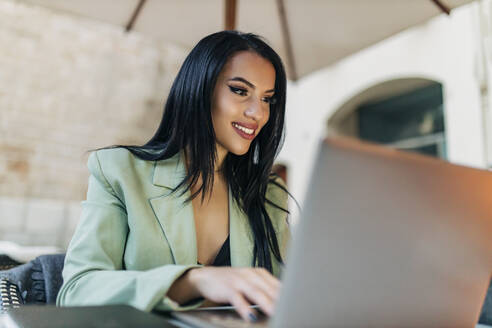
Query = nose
x=256 y=110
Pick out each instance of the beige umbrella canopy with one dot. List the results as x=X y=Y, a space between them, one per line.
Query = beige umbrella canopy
x=309 y=34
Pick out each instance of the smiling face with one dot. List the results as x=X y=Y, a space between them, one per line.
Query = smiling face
x=241 y=102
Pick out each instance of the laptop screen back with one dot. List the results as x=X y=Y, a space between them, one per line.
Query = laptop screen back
x=388 y=239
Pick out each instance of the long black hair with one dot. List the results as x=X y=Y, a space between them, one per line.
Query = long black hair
x=186 y=125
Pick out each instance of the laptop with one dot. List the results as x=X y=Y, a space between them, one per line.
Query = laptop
x=386 y=239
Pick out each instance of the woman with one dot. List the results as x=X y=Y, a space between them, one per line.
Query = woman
x=159 y=218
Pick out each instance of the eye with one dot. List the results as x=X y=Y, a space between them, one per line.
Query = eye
x=270 y=100
x=239 y=91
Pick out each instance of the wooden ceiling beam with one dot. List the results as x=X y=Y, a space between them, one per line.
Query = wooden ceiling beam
x=442 y=6
x=136 y=12
x=284 y=25
x=230 y=14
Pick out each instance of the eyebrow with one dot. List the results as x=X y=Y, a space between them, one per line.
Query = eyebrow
x=251 y=85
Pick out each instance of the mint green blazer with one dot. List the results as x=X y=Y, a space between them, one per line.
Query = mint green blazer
x=135 y=238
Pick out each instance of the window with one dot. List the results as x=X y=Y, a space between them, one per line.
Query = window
x=412 y=121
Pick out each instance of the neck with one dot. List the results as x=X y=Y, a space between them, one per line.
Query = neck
x=221 y=155
x=219 y=161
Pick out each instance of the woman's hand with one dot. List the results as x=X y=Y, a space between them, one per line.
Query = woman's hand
x=240 y=287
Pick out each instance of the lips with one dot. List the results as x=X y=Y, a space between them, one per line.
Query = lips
x=245 y=130
x=253 y=126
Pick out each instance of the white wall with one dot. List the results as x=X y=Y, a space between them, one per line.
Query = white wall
x=445 y=49
x=68 y=85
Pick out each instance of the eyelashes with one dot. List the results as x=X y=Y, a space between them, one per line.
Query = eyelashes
x=243 y=92
x=238 y=91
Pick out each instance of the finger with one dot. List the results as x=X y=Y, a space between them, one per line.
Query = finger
x=243 y=307
x=257 y=296
x=257 y=279
x=269 y=277
x=272 y=281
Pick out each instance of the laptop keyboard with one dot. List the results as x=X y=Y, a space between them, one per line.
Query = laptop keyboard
x=219 y=318
x=234 y=322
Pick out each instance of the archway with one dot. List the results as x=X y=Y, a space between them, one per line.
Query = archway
x=406 y=113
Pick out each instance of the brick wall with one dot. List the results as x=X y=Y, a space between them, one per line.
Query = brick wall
x=68 y=85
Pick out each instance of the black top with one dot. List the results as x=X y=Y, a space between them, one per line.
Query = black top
x=223 y=257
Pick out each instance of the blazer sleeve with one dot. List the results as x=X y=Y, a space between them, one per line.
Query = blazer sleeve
x=94 y=271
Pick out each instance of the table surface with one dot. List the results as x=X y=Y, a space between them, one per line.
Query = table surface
x=183 y=325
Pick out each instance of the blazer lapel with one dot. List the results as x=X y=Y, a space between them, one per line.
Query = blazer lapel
x=177 y=222
x=174 y=216
x=241 y=239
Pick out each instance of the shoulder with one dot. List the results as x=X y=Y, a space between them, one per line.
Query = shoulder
x=277 y=202
x=111 y=158
x=277 y=191
x=116 y=159
x=276 y=206
x=114 y=164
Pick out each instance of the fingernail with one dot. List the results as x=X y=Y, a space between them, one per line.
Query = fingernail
x=252 y=317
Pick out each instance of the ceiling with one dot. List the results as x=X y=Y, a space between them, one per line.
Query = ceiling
x=321 y=31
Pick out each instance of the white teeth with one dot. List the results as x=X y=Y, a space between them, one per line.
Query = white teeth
x=242 y=128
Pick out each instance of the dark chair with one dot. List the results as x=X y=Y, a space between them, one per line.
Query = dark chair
x=6 y=262
x=9 y=296
x=36 y=282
